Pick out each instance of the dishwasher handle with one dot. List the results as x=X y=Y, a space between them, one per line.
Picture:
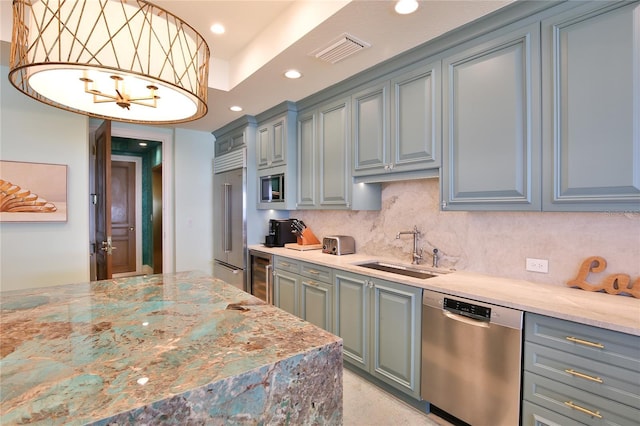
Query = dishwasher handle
x=465 y=320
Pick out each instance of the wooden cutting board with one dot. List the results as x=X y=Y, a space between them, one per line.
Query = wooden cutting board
x=295 y=246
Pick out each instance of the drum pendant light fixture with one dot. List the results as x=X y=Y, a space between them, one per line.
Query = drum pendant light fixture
x=123 y=60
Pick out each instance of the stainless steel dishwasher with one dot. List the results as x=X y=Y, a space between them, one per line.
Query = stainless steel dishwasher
x=471 y=359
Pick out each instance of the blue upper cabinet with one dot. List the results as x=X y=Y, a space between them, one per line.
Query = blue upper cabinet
x=591 y=112
x=276 y=154
x=416 y=119
x=324 y=158
x=491 y=122
x=396 y=125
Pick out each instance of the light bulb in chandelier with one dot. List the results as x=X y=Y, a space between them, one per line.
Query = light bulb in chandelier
x=121 y=97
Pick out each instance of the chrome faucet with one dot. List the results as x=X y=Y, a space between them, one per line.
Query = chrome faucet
x=416 y=257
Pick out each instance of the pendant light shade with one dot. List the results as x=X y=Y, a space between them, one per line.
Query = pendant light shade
x=123 y=60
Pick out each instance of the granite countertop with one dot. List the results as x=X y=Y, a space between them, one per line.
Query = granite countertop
x=79 y=353
x=613 y=312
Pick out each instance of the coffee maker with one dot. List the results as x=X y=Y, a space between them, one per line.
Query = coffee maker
x=280 y=233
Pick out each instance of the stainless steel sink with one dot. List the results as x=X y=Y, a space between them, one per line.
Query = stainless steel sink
x=399 y=269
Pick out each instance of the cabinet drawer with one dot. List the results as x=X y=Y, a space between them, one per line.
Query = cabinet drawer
x=319 y=273
x=534 y=415
x=607 y=346
x=577 y=404
x=602 y=379
x=286 y=264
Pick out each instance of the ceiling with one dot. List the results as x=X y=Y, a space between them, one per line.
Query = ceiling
x=264 y=38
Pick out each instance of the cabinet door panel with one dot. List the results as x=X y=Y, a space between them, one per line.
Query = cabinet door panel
x=335 y=172
x=370 y=132
x=316 y=303
x=593 y=63
x=306 y=161
x=396 y=335
x=285 y=292
x=415 y=124
x=263 y=147
x=352 y=317
x=278 y=143
x=491 y=132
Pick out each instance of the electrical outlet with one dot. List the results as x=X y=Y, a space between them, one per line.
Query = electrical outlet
x=537 y=265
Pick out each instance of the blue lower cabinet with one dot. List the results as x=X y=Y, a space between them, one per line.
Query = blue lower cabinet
x=380 y=324
x=304 y=290
x=575 y=374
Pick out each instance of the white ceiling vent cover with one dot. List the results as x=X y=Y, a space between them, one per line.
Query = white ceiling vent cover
x=341 y=48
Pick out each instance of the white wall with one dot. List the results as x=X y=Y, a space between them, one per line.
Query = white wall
x=46 y=254
x=193 y=176
x=43 y=254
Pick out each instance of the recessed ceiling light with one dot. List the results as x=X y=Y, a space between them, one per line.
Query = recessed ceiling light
x=405 y=7
x=217 y=29
x=293 y=74
x=142 y=143
x=236 y=108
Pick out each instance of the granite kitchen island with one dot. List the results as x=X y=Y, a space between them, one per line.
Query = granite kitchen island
x=179 y=348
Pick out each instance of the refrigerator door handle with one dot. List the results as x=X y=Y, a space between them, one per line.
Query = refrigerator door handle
x=227 y=218
x=268 y=284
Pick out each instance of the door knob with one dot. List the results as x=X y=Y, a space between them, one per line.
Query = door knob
x=108 y=247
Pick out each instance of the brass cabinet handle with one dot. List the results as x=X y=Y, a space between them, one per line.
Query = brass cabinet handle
x=286 y=264
x=573 y=406
x=585 y=342
x=313 y=283
x=583 y=376
x=314 y=272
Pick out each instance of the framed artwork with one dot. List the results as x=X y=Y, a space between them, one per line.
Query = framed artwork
x=33 y=192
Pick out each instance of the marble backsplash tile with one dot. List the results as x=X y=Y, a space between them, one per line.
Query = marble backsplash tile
x=494 y=243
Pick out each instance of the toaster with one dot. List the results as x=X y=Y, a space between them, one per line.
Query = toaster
x=338 y=244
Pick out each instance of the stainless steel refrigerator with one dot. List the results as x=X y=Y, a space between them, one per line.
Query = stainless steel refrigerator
x=229 y=247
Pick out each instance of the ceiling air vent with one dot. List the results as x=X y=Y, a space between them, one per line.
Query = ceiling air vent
x=341 y=48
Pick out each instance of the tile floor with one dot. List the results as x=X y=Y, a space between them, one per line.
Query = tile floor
x=365 y=404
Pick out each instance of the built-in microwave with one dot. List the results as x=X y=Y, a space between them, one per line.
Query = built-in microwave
x=272 y=188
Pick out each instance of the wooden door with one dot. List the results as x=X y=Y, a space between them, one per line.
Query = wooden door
x=104 y=259
x=123 y=216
